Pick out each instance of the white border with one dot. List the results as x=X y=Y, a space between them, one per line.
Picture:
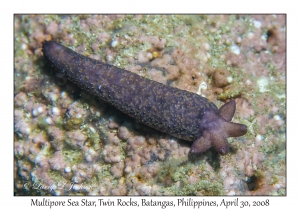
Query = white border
x=153 y=6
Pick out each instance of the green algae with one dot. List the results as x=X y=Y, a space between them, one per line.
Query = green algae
x=93 y=138
x=105 y=174
x=174 y=174
x=169 y=171
x=73 y=157
x=204 y=187
x=229 y=94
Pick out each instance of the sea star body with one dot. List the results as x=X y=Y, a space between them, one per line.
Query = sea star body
x=170 y=110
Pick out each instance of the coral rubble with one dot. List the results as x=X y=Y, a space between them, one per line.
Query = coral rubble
x=67 y=142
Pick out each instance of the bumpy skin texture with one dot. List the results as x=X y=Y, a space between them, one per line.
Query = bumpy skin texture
x=170 y=110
